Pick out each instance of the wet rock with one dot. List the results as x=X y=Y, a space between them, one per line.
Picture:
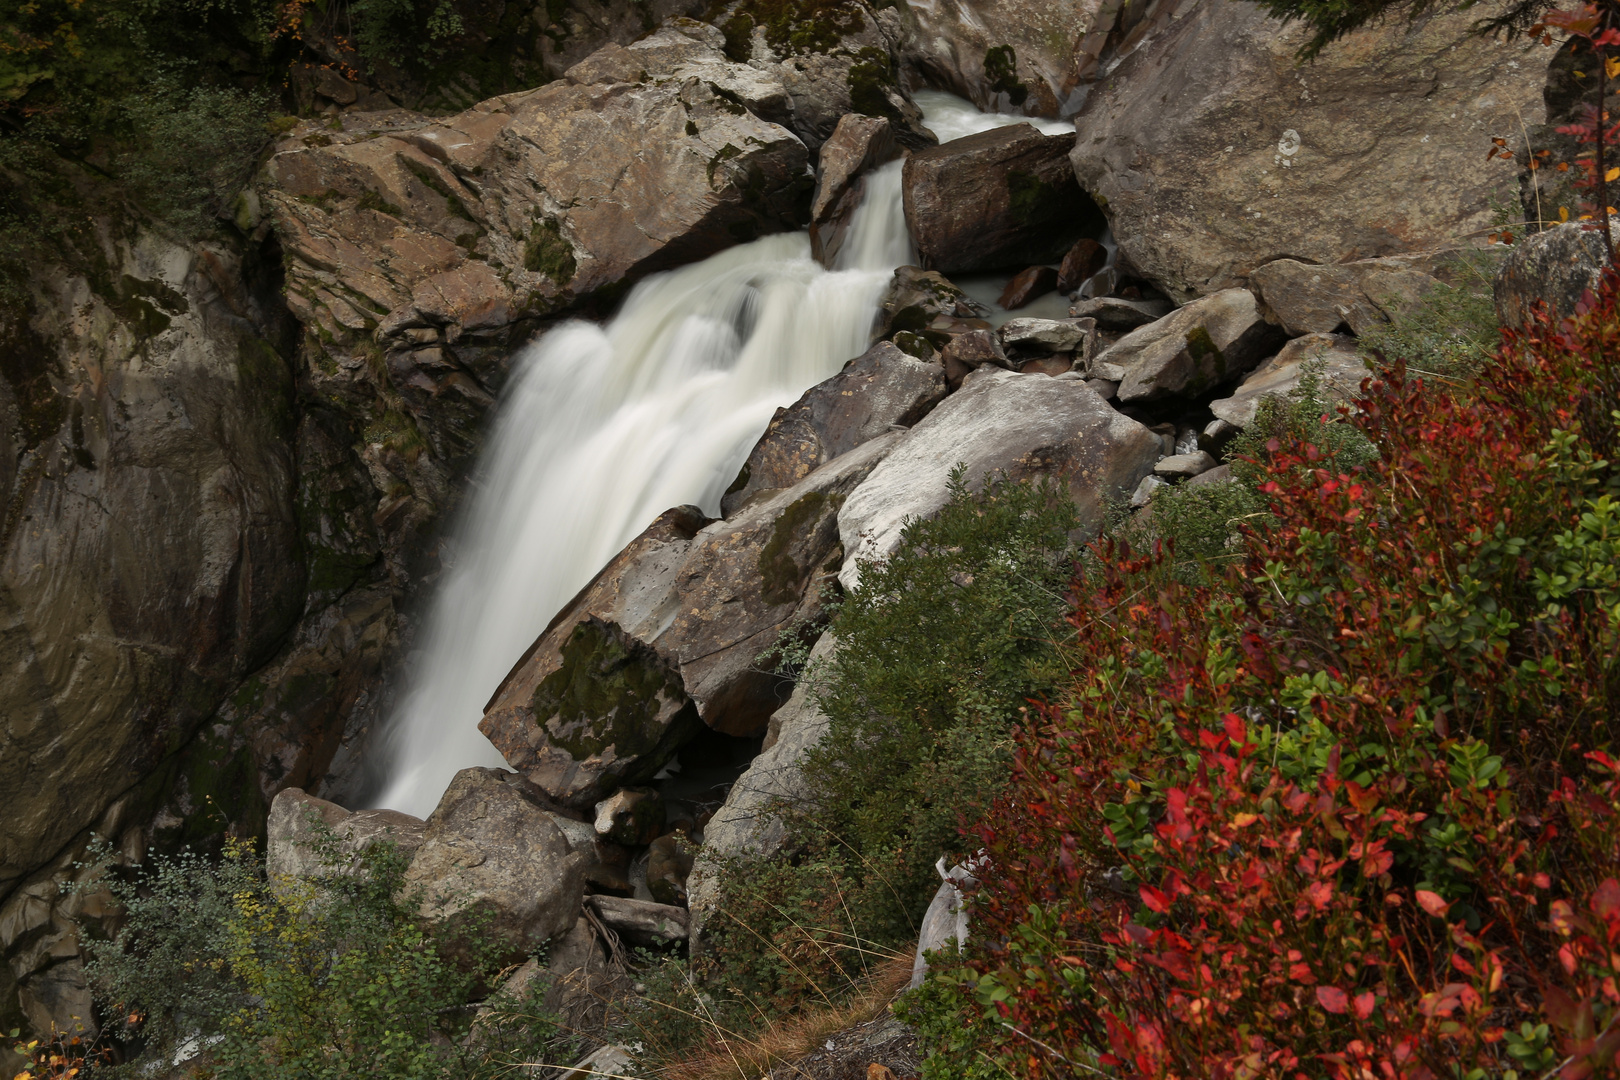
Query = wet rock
x=1216 y=151
x=1557 y=266
x=1116 y=315
x=592 y=707
x=1082 y=263
x=1307 y=299
x=1014 y=56
x=639 y=921
x=1341 y=372
x=1179 y=466
x=490 y=851
x=1001 y=198
x=918 y=298
x=1024 y=425
x=298 y=821
x=631 y=816
x=1206 y=343
x=1028 y=285
x=669 y=635
x=745 y=827
x=878 y=389
x=858 y=145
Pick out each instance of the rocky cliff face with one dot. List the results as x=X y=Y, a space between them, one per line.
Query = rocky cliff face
x=227 y=463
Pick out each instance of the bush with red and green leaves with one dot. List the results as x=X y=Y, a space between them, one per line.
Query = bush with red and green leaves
x=1351 y=806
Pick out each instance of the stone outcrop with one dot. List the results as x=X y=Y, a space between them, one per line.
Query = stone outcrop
x=1215 y=152
x=670 y=634
x=1335 y=356
x=924 y=301
x=858 y=145
x=878 y=389
x=745 y=827
x=1006 y=56
x=1022 y=425
x=1307 y=299
x=1004 y=198
x=490 y=852
x=293 y=834
x=1198 y=347
x=1557 y=266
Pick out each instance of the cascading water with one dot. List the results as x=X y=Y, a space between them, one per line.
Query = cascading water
x=602 y=428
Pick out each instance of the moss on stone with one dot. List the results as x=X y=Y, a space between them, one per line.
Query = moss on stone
x=913 y=344
x=795 y=26
x=370 y=200
x=781 y=575
x=609 y=691
x=1001 y=69
x=546 y=252
x=869 y=79
x=722 y=155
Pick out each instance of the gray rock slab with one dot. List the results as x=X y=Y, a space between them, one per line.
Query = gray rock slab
x=1213 y=340
x=1342 y=370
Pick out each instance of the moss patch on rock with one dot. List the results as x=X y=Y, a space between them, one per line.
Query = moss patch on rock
x=1001 y=70
x=782 y=576
x=546 y=252
x=610 y=691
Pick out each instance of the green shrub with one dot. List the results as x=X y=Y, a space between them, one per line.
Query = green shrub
x=330 y=977
x=1451 y=332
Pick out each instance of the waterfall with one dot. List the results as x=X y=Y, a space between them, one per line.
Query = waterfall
x=602 y=428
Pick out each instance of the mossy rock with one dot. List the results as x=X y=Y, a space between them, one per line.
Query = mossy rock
x=611 y=691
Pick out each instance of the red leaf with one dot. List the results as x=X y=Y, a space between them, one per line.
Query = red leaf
x=1605 y=900
x=1433 y=903
x=1154 y=899
x=1364 y=1005
x=1332 y=999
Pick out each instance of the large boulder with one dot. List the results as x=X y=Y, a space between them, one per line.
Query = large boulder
x=1013 y=56
x=1337 y=362
x=1215 y=151
x=878 y=389
x=1556 y=267
x=999 y=422
x=306 y=837
x=493 y=861
x=1002 y=198
x=671 y=634
x=746 y=826
x=1307 y=299
x=1191 y=351
x=858 y=145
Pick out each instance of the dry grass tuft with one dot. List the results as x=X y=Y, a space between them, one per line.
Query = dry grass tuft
x=734 y=1057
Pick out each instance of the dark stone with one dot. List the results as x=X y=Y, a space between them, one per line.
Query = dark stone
x=1557 y=266
x=1082 y=262
x=975 y=349
x=1000 y=198
x=1035 y=282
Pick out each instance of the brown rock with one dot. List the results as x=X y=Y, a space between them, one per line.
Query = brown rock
x=490 y=852
x=1004 y=197
x=918 y=298
x=1008 y=56
x=1202 y=345
x=630 y=817
x=1080 y=264
x=1030 y=284
x=858 y=144
x=975 y=349
x=1307 y=299
x=880 y=388
x=1056 y=364
x=669 y=862
x=1216 y=151
x=1115 y=314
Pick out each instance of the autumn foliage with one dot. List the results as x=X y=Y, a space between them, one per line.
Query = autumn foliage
x=1352 y=807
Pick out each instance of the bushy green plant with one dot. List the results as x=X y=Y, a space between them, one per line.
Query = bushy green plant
x=1451 y=331
x=327 y=977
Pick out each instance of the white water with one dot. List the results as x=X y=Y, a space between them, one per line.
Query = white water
x=602 y=428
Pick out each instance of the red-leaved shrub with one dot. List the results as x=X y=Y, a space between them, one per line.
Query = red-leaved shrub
x=1352 y=809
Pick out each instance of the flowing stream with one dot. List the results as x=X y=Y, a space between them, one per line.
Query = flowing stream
x=602 y=428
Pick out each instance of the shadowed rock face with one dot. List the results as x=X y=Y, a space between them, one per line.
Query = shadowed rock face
x=859 y=144
x=671 y=634
x=1216 y=152
x=1002 y=198
x=1209 y=342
